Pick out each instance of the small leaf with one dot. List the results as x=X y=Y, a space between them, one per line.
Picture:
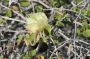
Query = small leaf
x=58 y=16
x=30 y=38
x=86 y=33
x=85 y=25
x=33 y=52
x=88 y=13
x=48 y=29
x=20 y=37
x=26 y=56
x=8 y=13
x=39 y=8
x=55 y=3
x=59 y=23
x=78 y=32
x=2 y=21
x=84 y=11
x=24 y=3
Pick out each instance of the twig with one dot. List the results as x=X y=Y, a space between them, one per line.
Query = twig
x=58 y=48
x=12 y=19
x=64 y=36
x=20 y=31
x=84 y=42
x=67 y=41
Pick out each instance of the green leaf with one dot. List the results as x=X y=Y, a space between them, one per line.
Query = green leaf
x=29 y=54
x=58 y=16
x=30 y=37
x=88 y=13
x=78 y=32
x=20 y=37
x=86 y=33
x=24 y=3
x=26 y=56
x=55 y=3
x=8 y=13
x=85 y=25
x=59 y=23
x=33 y=52
x=84 y=11
x=47 y=30
x=2 y=21
x=39 y=8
